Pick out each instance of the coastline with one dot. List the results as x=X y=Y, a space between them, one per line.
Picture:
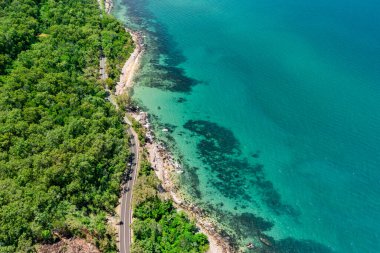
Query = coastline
x=166 y=168
x=162 y=160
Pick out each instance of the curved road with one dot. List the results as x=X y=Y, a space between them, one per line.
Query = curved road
x=127 y=188
x=126 y=199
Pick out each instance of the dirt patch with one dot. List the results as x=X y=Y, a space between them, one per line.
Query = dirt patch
x=73 y=245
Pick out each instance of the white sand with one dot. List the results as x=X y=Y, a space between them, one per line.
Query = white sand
x=130 y=67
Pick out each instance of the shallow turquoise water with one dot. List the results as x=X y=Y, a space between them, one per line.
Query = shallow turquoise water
x=275 y=106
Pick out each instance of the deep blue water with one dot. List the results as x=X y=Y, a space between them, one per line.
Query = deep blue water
x=275 y=108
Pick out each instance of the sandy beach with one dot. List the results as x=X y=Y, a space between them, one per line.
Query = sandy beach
x=131 y=65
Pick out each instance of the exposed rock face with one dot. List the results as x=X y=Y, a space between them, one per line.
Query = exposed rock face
x=73 y=245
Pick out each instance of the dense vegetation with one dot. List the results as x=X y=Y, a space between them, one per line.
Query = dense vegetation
x=140 y=130
x=62 y=146
x=157 y=226
x=115 y=47
x=18 y=29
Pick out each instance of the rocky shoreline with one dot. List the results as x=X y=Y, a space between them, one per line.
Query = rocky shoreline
x=167 y=170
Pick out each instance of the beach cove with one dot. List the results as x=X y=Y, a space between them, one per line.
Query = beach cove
x=257 y=99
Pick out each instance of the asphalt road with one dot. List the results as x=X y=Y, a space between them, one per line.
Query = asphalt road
x=125 y=239
x=126 y=200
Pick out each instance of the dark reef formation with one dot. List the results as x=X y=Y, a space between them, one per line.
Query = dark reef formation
x=220 y=151
x=162 y=54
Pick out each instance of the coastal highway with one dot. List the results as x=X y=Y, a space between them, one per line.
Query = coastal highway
x=126 y=199
x=127 y=188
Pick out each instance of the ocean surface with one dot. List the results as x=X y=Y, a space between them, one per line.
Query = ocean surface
x=273 y=107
